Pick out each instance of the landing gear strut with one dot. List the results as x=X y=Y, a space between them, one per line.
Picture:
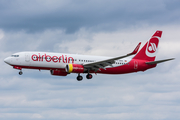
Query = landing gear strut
x=20 y=72
x=89 y=76
x=79 y=77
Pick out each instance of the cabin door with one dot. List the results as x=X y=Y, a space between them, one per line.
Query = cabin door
x=27 y=57
x=135 y=65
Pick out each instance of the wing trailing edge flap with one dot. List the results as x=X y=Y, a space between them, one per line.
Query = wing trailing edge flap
x=108 y=62
x=159 y=61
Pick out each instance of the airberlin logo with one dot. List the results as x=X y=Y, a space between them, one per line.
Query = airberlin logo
x=55 y=59
x=152 y=47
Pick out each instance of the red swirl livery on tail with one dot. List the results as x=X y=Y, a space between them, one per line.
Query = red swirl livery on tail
x=149 y=50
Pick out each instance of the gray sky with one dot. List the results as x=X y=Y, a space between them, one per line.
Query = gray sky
x=103 y=27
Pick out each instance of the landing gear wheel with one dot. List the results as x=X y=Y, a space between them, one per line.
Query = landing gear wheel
x=89 y=76
x=79 y=78
x=20 y=72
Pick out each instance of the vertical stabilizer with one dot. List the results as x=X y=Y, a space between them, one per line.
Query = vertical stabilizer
x=149 y=50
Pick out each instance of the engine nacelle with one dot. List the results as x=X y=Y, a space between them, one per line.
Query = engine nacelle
x=74 y=68
x=58 y=73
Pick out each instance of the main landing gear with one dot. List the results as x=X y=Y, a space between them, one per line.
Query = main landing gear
x=88 y=76
x=79 y=77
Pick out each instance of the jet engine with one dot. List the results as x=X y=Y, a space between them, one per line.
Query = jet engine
x=58 y=73
x=74 y=68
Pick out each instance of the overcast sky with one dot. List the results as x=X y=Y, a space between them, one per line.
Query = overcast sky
x=103 y=27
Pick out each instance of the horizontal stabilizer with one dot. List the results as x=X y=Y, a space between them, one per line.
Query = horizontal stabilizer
x=159 y=61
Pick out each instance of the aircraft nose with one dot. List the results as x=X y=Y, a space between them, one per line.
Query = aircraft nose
x=7 y=60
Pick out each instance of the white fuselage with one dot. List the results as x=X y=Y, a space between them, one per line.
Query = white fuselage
x=48 y=60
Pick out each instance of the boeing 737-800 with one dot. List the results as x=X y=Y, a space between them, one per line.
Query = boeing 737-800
x=62 y=64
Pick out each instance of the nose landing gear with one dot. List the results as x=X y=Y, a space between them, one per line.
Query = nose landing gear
x=20 y=72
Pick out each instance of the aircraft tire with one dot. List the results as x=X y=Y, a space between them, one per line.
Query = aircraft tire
x=79 y=78
x=20 y=73
x=89 y=76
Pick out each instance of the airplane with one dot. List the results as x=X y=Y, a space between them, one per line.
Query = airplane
x=62 y=64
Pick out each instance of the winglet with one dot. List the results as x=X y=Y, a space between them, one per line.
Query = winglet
x=135 y=50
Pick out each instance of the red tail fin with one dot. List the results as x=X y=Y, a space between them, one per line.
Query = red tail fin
x=149 y=50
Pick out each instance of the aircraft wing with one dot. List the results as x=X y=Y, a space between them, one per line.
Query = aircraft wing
x=108 y=62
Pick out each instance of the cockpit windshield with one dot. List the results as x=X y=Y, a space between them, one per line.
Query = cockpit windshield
x=14 y=55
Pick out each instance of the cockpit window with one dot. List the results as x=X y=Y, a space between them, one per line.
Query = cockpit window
x=14 y=55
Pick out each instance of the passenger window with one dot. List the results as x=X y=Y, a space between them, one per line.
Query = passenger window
x=14 y=55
